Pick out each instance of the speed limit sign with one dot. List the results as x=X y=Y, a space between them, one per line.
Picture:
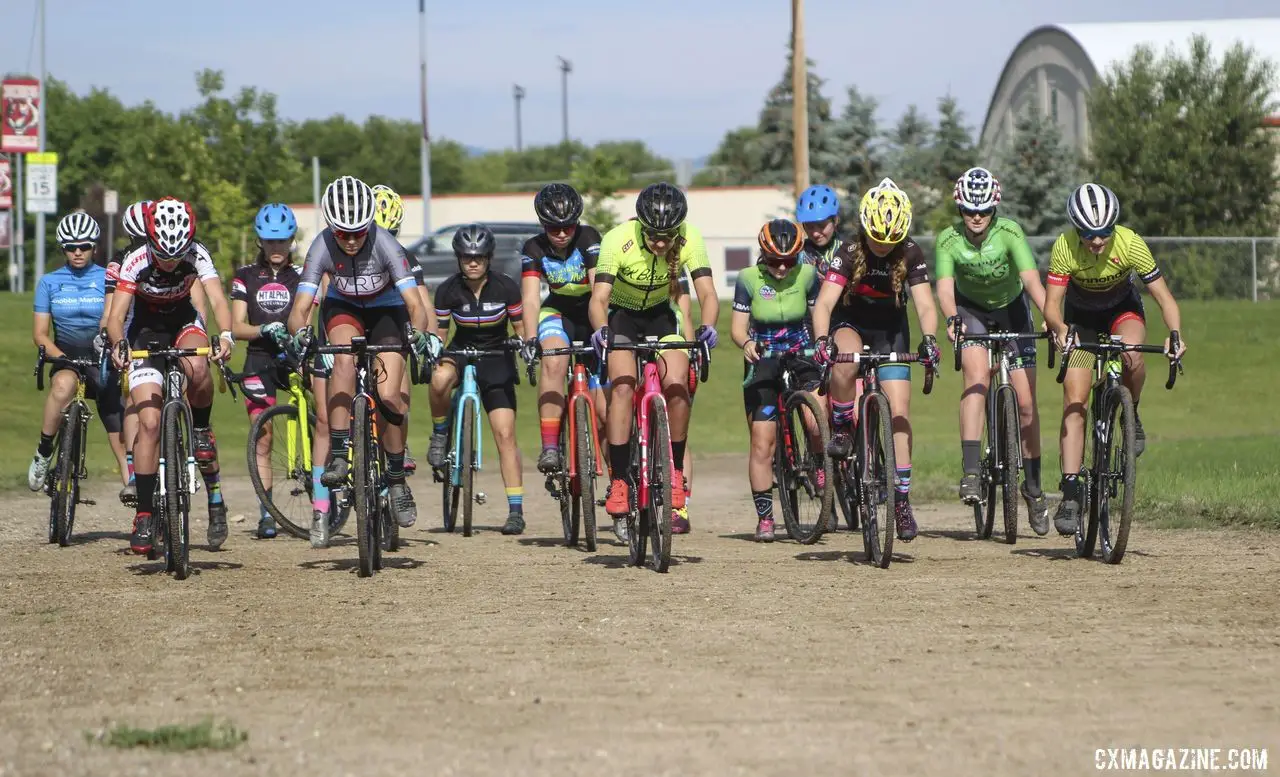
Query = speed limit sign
x=42 y=182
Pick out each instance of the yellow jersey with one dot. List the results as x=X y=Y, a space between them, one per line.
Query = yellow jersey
x=1100 y=281
x=640 y=279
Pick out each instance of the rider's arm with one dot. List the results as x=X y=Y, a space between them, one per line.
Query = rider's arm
x=740 y=321
x=694 y=258
x=531 y=301
x=43 y=318
x=443 y=313
x=1025 y=262
x=1060 y=267
x=602 y=285
x=218 y=301
x=515 y=306
x=921 y=291
x=945 y=271
x=311 y=285
x=240 y=326
x=686 y=313
x=947 y=296
x=121 y=303
x=828 y=296
x=413 y=304
x=1168 y=305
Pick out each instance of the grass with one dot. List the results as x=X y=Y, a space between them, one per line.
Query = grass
x=205 y=735
x=1213 y=447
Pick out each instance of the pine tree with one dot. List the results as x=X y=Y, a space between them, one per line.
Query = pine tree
x=1037 y=173
x=859 y=162
x=912 y=160
x=772 y=148
x=954 y=144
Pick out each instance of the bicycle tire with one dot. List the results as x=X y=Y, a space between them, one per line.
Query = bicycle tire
x=390 y=527
x=788 y=469
x=300 y=476
x=175 y=443
x=449 y=499
x=637 y=525
x=984 y=516
x=877 y=477
x=467 y=461
x=1009 y=459
x=364 y=488
x=66 y=483
x=660 y=475
x=841 y=485
x=1113 y=536
x=585 y=488
x=569 y=515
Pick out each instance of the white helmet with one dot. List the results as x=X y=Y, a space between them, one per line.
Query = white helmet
x=977 y=189
x=1093 y=208
x=77 y=228
x=348 y=204
x=135 y=219
x=171 y=227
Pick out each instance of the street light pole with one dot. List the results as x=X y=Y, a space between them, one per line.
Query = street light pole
x=518 y=93
x=566 y=67
x=44 y=122
x=800 y=98
x=426 y=137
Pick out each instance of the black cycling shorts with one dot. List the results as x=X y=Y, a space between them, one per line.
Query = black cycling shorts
x=762 y=385
x=1092 y=324
x=382 y=325
x=495 y=377
x=1014 y=317
x=106 y=398
x=633 y=326
x=264 y=376
x=884 y=335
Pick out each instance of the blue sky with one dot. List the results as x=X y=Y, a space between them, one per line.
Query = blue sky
x=675 y=73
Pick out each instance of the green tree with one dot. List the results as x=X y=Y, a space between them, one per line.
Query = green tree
x=772 y=149
x=859 y=165
x=598 y=177
x=1037 y=173
x=734 y=161
x=953 y=144
x=912 y=160
x=1180 y=140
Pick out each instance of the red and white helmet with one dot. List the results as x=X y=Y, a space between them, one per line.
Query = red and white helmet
x=977 y=189
x=171 y=227
x=135 y=219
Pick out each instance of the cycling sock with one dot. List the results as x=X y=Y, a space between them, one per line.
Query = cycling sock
x=1033 y=473
x=146 y=493
x=45 y=448
x=970 y=456
x=439 y=424
x=128 y=462
x=903 y=485
x=266 y=514
x=550 y=432
x=213 y=483
x=764 y=504
x=319 y=491
x=200 y=416
x=515 y=500
x=619 y=460
x=338 y=439
x=395 y=468
x=842 y=414
x=677 y=455
x=1070 y=486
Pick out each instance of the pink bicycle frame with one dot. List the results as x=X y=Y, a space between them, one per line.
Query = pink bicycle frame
x=644 y=401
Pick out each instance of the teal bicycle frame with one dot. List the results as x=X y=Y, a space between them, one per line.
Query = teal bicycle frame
x=467 y=395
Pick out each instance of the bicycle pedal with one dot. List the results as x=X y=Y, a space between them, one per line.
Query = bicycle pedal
x=88 y=502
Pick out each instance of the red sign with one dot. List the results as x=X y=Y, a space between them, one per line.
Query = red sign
x=20 y=113
x=6 y=185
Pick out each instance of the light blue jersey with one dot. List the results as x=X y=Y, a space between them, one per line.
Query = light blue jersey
x=74 y=298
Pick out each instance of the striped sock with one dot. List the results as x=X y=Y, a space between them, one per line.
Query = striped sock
x=550 y=432
x=842 y=413
x=319 y=491
x=515 y=500
x=904 y=480
x=213 y=483
x=266 y=514
x=439 y=424
x=128 y=461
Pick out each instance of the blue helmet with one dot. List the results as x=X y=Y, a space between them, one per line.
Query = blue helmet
x=275 y=222
x=817 y=203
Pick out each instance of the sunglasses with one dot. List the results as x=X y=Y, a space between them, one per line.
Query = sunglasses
x=655 y=235
x=1093 y=234
x=970 y=212
x=554 y=230
x=473 y=259
x=779 y=263
x=79 y=246
x=342 y=234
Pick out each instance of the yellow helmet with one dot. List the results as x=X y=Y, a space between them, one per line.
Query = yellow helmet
x=388 y=208
x=885 y=213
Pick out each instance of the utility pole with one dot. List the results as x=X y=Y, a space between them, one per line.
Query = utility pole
x=518 y=93
x=566 y=67
x=426 y=136
x=44 y=122
x=800 y=98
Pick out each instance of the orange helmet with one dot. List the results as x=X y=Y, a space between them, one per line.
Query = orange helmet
x=781 y=241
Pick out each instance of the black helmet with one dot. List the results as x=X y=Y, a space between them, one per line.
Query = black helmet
x=473 y=240
x=558 y=205
x=661 y=207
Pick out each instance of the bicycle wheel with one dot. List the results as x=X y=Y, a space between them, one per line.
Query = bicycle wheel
x=66 y=483
x=449 y=502
x=175 y=442
x=1010 y=459
x=289 y=502
x=841 y=499
x=585 y=488
x=659 y=478
x=637 y=523
x=797 y=465
x=984 y=510
x=877 y=469
x=569 y=514
x=390 y=528
x=364 y=485
x=1117 y=475
x=466 y=460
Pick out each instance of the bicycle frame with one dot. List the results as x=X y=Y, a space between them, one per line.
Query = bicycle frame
x=78 y=366
x=467 y=395
x=579 y=389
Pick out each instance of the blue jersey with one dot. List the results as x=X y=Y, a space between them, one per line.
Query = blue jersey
x=74 y=298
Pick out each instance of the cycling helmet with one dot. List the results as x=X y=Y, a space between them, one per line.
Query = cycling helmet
x=135 y=219
x=558 y=205
x=171 y=227
x=78 y=228
x=348 y=204
x=661 y=207
x=473 y=240
x=885 y=213
x=817 y=203
x=1093 y=208
x=977 y=189
x=275 y=222
x=388 y=208
x=781 y=239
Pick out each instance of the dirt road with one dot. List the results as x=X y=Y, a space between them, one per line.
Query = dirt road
x=499 y=655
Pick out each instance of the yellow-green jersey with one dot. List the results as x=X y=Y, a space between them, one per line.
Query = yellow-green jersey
x=640 y=279
x=1100 y=281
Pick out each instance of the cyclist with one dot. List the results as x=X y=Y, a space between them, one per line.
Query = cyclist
x=564 y=256
x=72 y=299
x=862 y=301
x=770 y=314
x=371 y=293
x=389 y=214
x=135 y=226
x=481 y=302
x=151 y=307
x=985 y=273
x=818 y=212
x=1091 y=286
x=637 y=275
x=261 y=294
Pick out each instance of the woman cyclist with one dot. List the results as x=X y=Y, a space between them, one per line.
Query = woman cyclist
x=863 y=301
x=818 y=213
x=1091 y=285
x=564 y=257
x=985 y=273
x=770 y=314
x=134 y=222
x=638 y=273
x=71 y=299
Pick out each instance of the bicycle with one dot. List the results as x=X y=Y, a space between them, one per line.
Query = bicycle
x=466 y=454
x=1112 y=468
x=868 y=476
x=1002 y=451
x=62 y=484
x=296 y=467
x=574 y=484
x=801 y=470
x=651 y=467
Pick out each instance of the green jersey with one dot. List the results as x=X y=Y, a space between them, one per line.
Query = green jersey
x=779 y=308
x=989 y=274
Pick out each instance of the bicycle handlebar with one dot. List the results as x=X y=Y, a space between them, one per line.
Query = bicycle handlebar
x=1175 y=365
x=874 y=359
x=576 y=348
x=959 y=337
x=702 y=354
x=78 y=365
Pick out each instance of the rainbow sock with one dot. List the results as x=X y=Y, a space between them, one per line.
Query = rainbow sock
x=550 y=432
x=439 y=424
x=128 y=461
x=904 y=480
x=842 y=413
x=213 y=482
x=319 y=491
x=515 y=500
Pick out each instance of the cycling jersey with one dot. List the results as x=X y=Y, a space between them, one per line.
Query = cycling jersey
x=566 y=277
x=479 y=320
x=164 y=290
x=1099 y=282
x=873 y=294
x=640 y=279
x=989 y=274
x=374 y=277
x=779 y=308
x=820 y=257
x=74 y=299
x=269 y=296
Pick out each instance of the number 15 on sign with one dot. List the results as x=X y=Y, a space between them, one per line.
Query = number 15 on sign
x=42 y=183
